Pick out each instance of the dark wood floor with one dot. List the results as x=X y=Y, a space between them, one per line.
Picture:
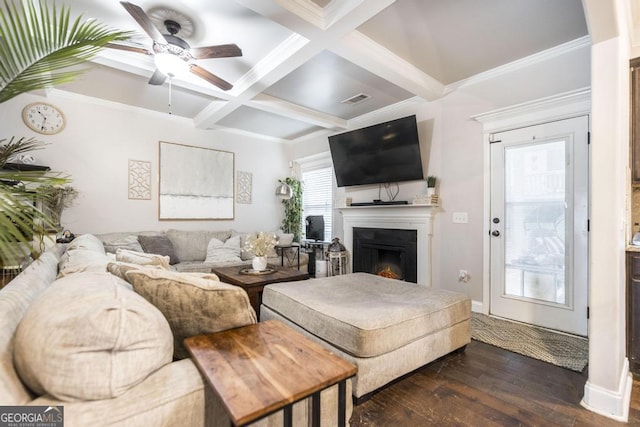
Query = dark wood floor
x=486 y=386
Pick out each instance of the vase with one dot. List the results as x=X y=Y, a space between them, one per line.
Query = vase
x=431 y=191
x=259 y=263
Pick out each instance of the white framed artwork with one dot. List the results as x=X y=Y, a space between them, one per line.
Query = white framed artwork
x=195 y=182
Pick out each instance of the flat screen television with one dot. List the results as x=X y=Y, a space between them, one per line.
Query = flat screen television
x=382 y=153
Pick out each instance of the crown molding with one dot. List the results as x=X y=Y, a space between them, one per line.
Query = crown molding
x=545 y=55
x=565 y=105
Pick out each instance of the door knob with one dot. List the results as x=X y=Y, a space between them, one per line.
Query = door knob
x=495 y=233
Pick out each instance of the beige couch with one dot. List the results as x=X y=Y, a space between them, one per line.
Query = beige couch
x=87 y=341
x=191 y=248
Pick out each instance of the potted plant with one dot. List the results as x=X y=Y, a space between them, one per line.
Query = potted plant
x=431 y=185
x=292 y=221
x=261 y=245
x=41 y=46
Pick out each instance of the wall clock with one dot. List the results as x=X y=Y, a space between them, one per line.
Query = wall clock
x=43 y=118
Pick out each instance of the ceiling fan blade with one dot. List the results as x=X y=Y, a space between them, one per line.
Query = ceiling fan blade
x=220 y=51
x=157 y=78
x=211 y=78
x=143 y=20
x=128 y=48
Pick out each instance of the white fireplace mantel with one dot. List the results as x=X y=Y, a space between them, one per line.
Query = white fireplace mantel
x=400 y=217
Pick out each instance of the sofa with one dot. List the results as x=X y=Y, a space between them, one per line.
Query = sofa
x=201 y=250
x=102 y=342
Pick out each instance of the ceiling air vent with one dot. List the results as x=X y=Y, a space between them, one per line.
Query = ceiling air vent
x=361 y=97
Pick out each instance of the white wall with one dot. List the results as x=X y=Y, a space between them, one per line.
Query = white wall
x=101 y=137
x=608 y=388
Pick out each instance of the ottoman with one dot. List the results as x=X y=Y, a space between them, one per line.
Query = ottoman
x=386 y=327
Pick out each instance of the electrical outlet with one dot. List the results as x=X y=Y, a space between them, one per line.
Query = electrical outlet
x=460 y=217
x=463 y=276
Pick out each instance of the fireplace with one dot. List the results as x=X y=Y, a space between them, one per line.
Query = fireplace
x=386 y=252
x=416 y=218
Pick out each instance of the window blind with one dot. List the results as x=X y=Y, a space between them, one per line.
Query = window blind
x=317 y=197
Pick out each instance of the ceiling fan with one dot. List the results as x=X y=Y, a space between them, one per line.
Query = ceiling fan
x=171 y=52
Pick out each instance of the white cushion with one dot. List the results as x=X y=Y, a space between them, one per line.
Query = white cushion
x=142 y=258
x=88 y=337
x=284 y=239
x=223 y=252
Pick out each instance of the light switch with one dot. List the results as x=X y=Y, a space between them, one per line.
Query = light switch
x=460 y=217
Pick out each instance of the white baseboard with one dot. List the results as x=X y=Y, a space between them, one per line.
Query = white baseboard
x=610 y=403
x=477 y=306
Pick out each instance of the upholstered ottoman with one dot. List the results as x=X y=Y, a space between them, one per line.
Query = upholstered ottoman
x=386 y=327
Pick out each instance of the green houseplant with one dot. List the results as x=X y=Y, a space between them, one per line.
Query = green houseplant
x=40 y=46
x=292 y=221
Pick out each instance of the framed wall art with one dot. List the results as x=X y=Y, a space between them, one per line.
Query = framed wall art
x=195 y=182
x=139 y=180
x=243 y=187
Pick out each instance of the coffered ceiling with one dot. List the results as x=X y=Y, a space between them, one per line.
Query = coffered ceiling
x=303 y=60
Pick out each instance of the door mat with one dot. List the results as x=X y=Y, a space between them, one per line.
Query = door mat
x=567 y=351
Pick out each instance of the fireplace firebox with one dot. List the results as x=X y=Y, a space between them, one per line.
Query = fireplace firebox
x=386 y=252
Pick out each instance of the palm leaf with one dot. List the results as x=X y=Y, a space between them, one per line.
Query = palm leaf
x=39 y=45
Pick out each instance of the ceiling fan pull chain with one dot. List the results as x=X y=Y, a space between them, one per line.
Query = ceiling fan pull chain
x=170 y=94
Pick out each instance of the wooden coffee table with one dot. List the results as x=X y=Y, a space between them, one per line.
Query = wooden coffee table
x=254 y=284
x=258 y=369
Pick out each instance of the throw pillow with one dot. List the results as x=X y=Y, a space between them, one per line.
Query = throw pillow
x=142 y=258
x=193 y=303
x=284 y=239
x=88 y=337
x=129 y=242
x=159 y=245
x=120 y=269
x=221 y=253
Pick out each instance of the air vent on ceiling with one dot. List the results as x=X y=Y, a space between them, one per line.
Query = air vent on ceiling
x=361 y=97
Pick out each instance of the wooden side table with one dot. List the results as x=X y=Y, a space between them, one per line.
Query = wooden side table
x=257 y=370
x=254 y=284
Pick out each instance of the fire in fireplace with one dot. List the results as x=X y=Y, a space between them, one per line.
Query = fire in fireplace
x=386 y=252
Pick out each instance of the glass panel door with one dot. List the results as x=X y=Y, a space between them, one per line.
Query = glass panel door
x=539 y=225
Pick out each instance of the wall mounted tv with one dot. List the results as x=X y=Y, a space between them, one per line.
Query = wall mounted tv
x=382 y=153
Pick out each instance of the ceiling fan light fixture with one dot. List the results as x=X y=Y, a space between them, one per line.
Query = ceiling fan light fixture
x=171 y=65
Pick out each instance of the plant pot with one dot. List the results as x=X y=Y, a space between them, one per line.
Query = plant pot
x=259 y=263
x=431 y=191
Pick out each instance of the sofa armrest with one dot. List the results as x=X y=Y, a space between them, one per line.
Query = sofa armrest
x=173 y=395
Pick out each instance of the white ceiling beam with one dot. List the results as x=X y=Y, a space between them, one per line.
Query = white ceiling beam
x=307 y=41
x=364 y=52
x=275 y=105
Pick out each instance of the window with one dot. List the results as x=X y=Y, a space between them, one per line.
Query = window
x=317 y=197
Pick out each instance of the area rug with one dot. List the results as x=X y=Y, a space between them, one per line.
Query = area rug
x=567 y=351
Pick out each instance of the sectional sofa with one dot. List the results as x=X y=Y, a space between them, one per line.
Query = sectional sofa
x=198 y=251
x=105 y=345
